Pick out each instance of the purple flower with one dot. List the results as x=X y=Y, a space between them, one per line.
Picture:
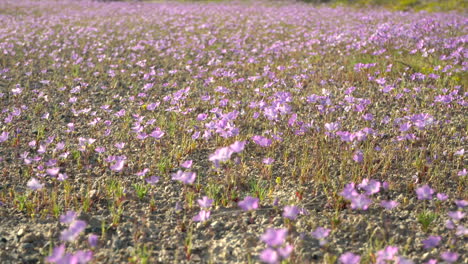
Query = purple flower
x=402 y=260
x=32 y=144
x=431 y=241
x=349 y=191
x=34 y=184
x=269 y=256
x=389 y=205
x=4 y=136
x=274 y=237
x=450 y=257
x=52 y=171
x=461 y=231
x=431 y=261
x=449 y=224
x=321 y=233
x=152 y=180
x=405 y=127
x=442 y=196
x=100 y=149
x=157 y=133
x=361 y=202
x=249 y=203
x=62 y=176
x=291 y=212
x=424 y=192
x=221 y=154
x=202 y=216
x=459 y=152
x=93 y=240
x=142 y=173
x=285 y=251
x=358 y=156
x=268 y=161
x=205 y=202
x=237 y=146
x=456 y=215
x=261 y=141
x=371 y=187
x=461 y=203
x=332 y=126
x=118 y=165
x=120 y=145
x=83 y=257
x=57 y=254
x=462 y=173
x=73 y=231
x=187 y=177
x=68 y=218
x=349 y=258
x=187 y=164
x=388 y=253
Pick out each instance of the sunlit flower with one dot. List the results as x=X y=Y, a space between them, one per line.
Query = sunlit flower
x=249 y=203
x=274 y=237
x=34 y=184
x=424 y=192
x=349 y=258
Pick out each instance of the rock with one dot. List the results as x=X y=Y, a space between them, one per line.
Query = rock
x=29 y=238
x=195 y=258
x=92 y=194
x=20 y=232
x=117 y=243
x=26 y=247
x=217 y=226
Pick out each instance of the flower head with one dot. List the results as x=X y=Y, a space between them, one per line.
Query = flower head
x=187 y=164
x=221 y=155
x=237 y=146
x=371 y=187
x=358 y=156
x=68 y=218
x=57 y=254
x=442 y=196
x=52 y=171
x=269 y=256
x=349 y=191
x=291 y=212
x=388 y=253
x=261 y=141
x=205 y=202
x=389 y=205
x=4 y=136
x=152 y=180
x=349 y=258
x=249 y=203
x=285 y=251
x=431 y=241
x=118 y=165
x=34 y=184
x=456 y=215
x=202 y=216
x=187 y=177
x=93 y=240
x=461 y=203
x=70 y=234
x=449 y=256
x=321 y=233
x=424 y=192
x=274 y=237
x=360 y=202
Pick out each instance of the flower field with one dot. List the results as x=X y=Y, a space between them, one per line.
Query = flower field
x=231 y=132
